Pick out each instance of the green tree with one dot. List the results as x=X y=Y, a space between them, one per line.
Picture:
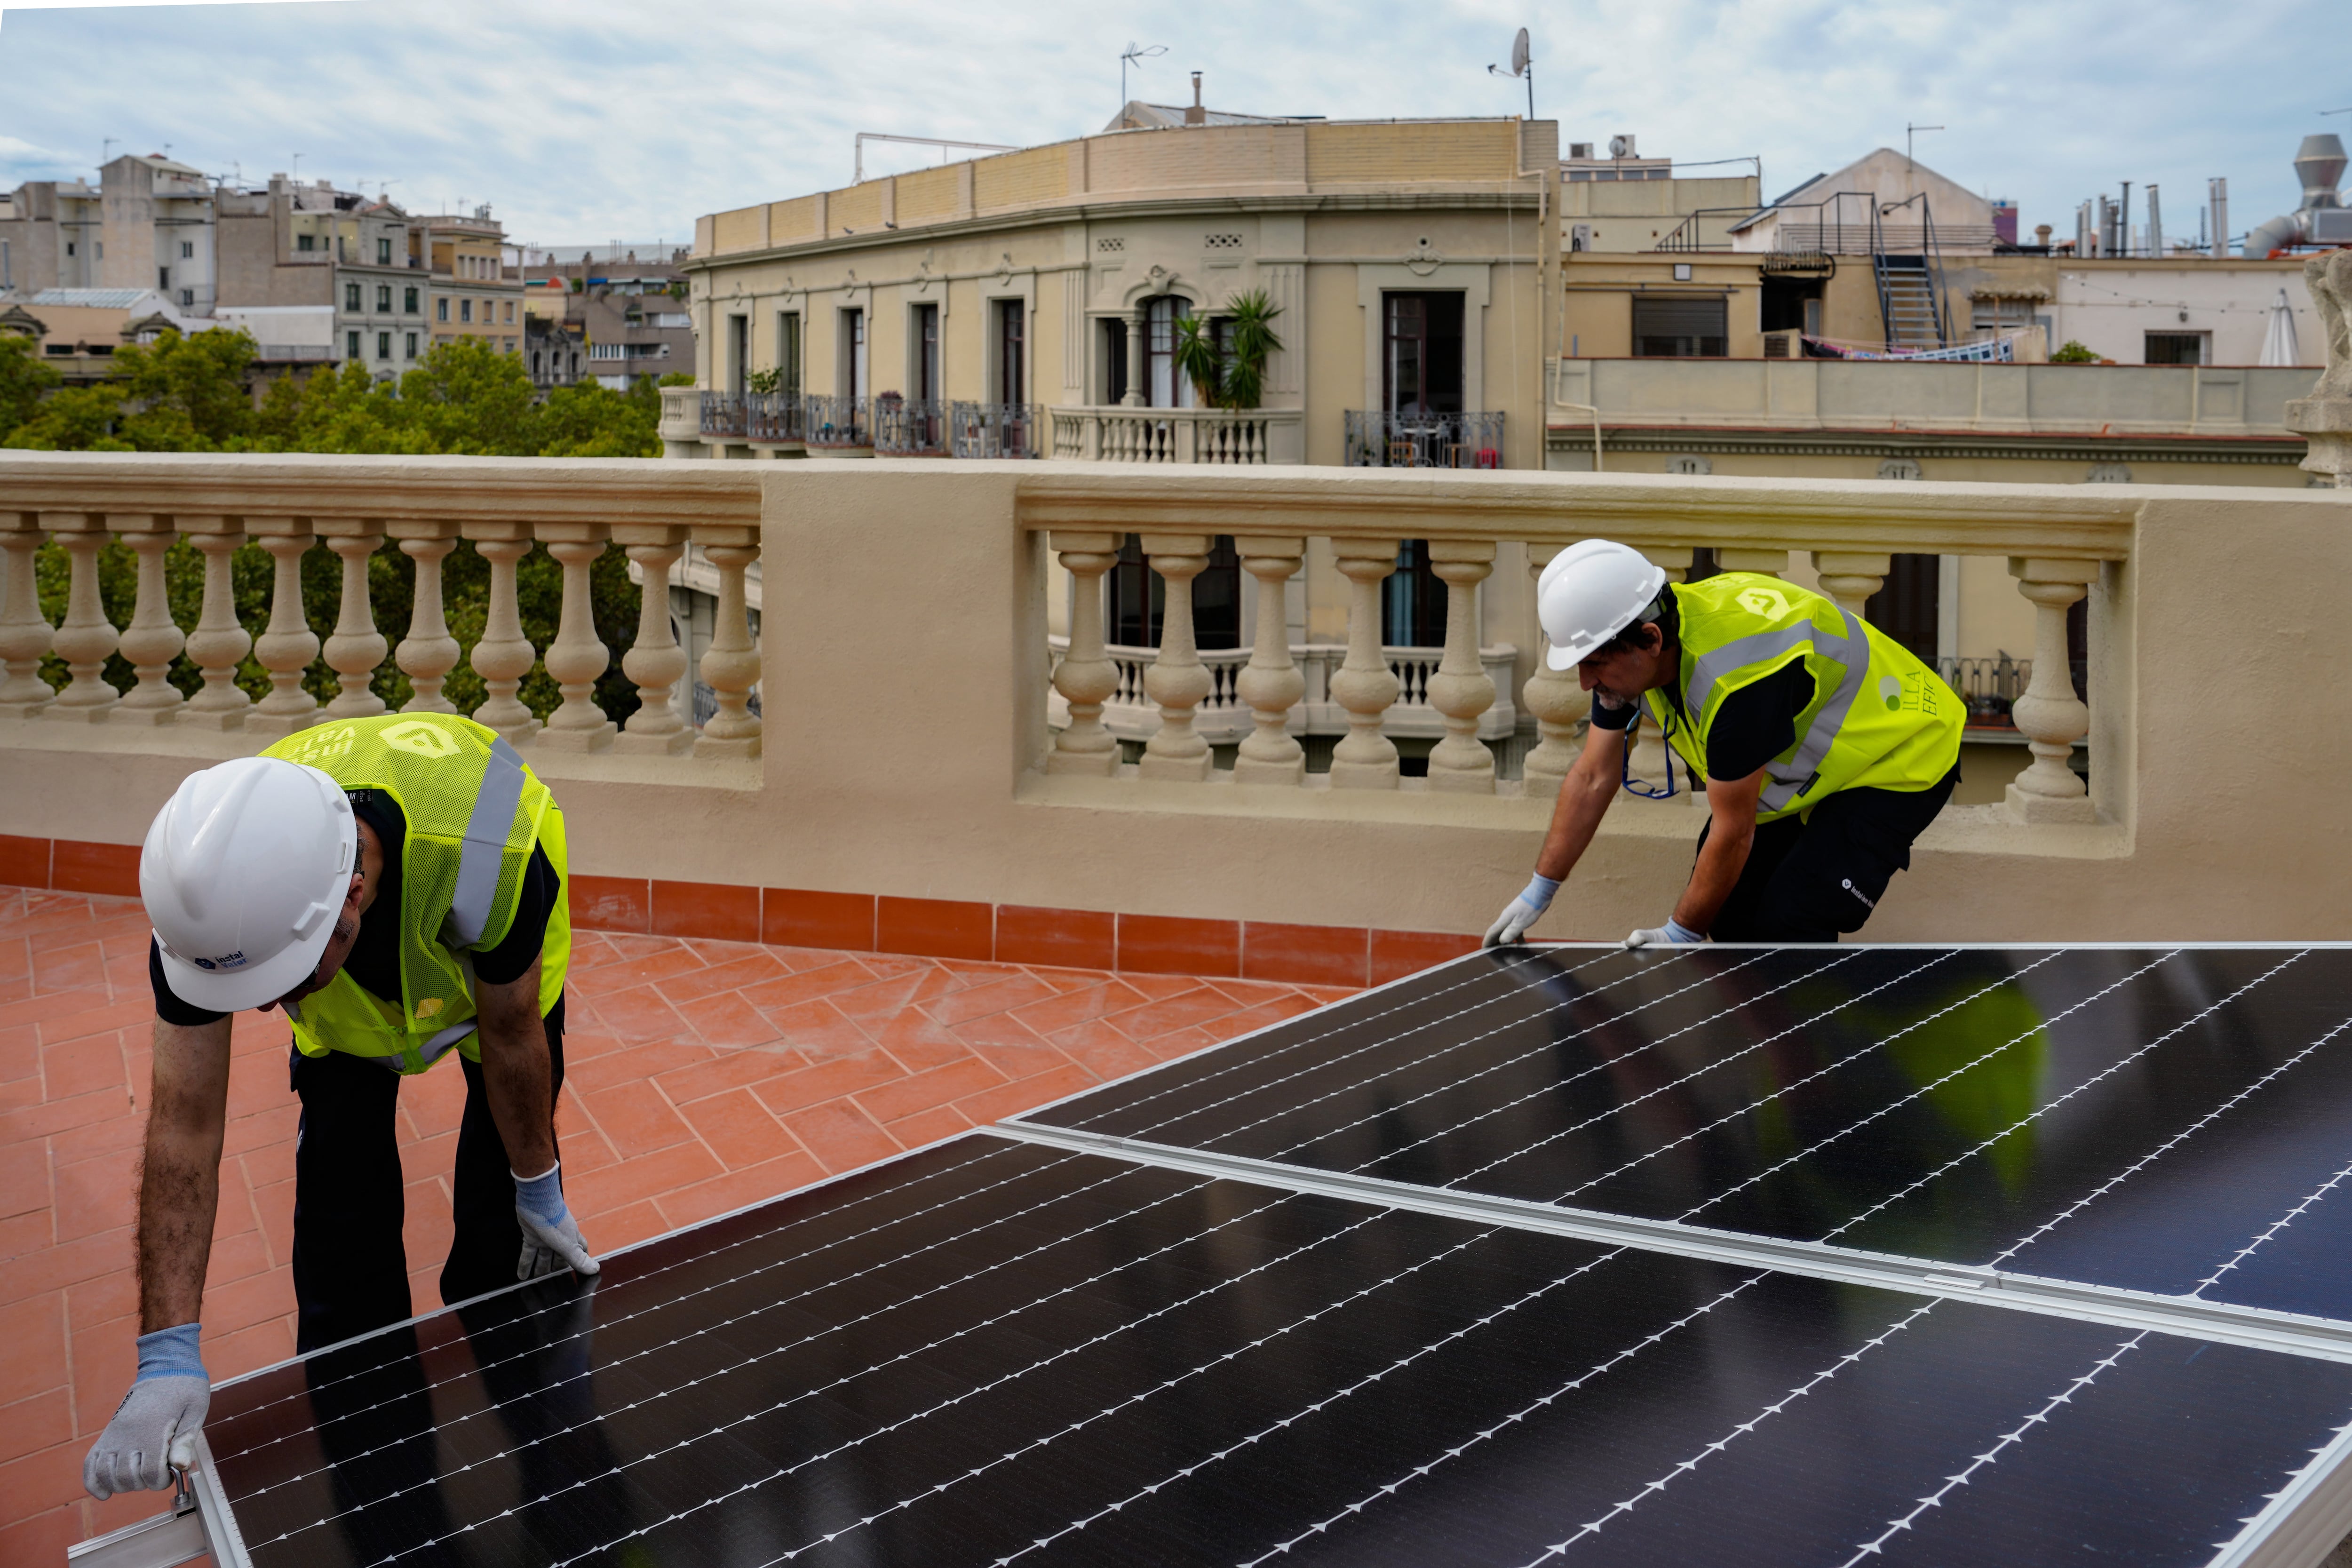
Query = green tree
x=23 y=378
x=2074 y=352
x=74 y=420
x=467 y=399
x=187 y=394
x=590 y=420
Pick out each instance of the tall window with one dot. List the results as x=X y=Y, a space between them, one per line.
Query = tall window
x=409 y=347
x=187 y=251
x=1420 y=369
x=1164 y=387
x=1679 y=329
x=164 y=278
x=1012 y=372
x=441 y=308
x=301 y=242
x=408 y=300
x=351 y=345
x=465 y=310
x=350 y=297
x=383 y=298
x=853 y=353
x=927 y=352
x=788 y=351
x=384 y=250
x=1114 y=331
x=384 y=345
x=739 y=353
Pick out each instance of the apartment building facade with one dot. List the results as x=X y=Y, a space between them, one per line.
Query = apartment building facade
x=475 y=293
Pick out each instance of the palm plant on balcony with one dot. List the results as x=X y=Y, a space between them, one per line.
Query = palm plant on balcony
x=1231 y=374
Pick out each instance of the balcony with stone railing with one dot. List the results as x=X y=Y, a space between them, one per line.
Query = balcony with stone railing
x=1120 y=433
x=908 y=744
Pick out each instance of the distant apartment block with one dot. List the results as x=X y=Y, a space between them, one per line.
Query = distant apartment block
x=475 y=293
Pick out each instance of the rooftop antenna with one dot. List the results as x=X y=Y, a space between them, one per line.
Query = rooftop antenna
x=297 y=176
x=1522 y=66
x=106 y=150
x=1138 y=53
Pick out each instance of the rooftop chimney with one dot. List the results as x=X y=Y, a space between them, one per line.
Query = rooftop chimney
x=1196 y=115
x=2320 y=162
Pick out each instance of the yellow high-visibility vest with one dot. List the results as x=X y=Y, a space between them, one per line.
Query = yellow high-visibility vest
x=474 y=811
x=1879 y=718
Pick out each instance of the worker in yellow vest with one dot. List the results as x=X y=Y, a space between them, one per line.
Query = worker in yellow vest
x=1825 y=746
x=396 y=885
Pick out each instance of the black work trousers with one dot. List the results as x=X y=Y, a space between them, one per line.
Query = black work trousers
x=1818 y=876
x=351 y=1267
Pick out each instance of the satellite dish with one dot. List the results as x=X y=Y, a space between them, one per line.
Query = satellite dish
x=1519 y=54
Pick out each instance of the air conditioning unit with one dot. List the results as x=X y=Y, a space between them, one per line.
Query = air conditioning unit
x=1580 y=236
x=1580 y=150
x=1621 y=147
x=2331 y=226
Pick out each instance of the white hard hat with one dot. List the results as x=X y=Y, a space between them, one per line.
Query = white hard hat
x=1589 y=593
x=242 y=874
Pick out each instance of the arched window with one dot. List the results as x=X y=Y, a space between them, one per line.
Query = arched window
x=1164 y=387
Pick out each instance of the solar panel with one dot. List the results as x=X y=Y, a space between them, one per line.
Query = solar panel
x=1546 y=1256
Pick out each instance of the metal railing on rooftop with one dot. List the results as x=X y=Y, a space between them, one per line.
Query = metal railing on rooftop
x=837 y=423
x=995 y=429
x=723 y=413
x=909 y=427
x=1378 y=439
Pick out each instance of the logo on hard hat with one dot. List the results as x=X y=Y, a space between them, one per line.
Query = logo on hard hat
x=425 y=739
x=234 y=961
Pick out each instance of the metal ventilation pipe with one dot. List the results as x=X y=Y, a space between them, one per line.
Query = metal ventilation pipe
x=2106 y=246
x=2084 y=240
x=2217 y=196
x=2155 y=223
x=2319 y=164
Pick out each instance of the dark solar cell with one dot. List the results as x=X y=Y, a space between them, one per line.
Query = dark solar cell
x=992 y=1353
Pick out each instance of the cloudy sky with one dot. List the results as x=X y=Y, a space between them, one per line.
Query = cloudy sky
x=582 y=121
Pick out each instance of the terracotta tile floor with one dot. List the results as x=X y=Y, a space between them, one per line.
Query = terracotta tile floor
x=701 y=1075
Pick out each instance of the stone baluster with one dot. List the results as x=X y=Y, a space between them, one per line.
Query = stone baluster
x=87 y=637
x=286 y=645
x=1770 y=563
x=1271 y=684
x=355 y=649
x=152 y=640
x=220 y=642
x=2051 y=715
x=428 y=653
x=1850 y=579
x=25 y=632
x=503 y=656
x=655 y=661
x=1176 y=680
x=1462 y=690
x=1557 y=700
x=577 y=658
x=1649 y=761
x=1365 y=685
x=1087 y=676
x=730 y=666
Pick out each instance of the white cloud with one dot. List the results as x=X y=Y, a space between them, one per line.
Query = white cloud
x=591 y=118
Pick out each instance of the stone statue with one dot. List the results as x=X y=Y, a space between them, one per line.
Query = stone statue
x=2324 y=418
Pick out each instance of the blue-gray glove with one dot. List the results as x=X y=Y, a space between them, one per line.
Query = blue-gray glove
x=1521 y=913
x=154 y=1429
x=551 y=1240
x=1671 y=934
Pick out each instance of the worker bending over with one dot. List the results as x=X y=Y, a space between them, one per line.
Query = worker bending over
x=396 y=885
x=1826 y=746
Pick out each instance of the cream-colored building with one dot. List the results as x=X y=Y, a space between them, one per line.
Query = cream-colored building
x=475 y=293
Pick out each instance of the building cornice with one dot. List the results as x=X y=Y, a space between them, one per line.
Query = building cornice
x=2262 y=451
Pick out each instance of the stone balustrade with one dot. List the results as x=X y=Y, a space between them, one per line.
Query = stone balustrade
x=351 y=507
x=1246 y=437
x=935 y=749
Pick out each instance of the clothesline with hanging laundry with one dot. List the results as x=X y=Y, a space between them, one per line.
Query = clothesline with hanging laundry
x=1992 y=351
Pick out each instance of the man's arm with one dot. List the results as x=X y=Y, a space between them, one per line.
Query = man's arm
x=1730 y=833
x=515 y=1071
x=179 y=1184
x=1584 y=795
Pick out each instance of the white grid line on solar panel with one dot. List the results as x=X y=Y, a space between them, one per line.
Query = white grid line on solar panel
x=1462 y=1043
x=1658 y=1486
x=445 y=1428
x=2035 y=1115
x=1558 y=1084
x=2008 y=1439
x=1365 y=1383
x=2276 y=1225
x=979 y=1389
x=1243 y=1063
x=2087 y=1199
x=1760 y=1102
x=668 y=1302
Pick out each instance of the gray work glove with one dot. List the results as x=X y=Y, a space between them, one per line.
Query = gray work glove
x=550 y=1238
x=1521 y=913
x=1670 y=935
x=154 y=1429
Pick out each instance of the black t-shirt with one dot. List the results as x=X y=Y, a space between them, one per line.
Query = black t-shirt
x=374 y=961
x=1753 y=725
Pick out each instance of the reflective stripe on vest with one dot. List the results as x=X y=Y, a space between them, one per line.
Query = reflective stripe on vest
x=485 y=844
